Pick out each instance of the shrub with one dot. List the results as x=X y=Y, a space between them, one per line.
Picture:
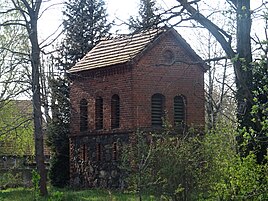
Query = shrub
x=10 y=180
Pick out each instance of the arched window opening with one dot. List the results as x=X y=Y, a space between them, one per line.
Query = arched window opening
x=157 y=110
x=179 y=110
x=99 y=113
x=83 y=115
x=115 y=111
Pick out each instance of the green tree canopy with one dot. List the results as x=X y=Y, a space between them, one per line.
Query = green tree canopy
x=85 y=24
x=148 y=17
x=16 y=128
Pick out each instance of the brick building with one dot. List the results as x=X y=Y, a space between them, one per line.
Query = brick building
x=126 y=83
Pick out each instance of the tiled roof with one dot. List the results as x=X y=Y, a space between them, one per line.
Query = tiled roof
x=115 y=51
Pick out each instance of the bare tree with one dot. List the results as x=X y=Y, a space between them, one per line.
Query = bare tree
x=238 y=48
x=29 y=14
x=219 y=81
x=13 y=54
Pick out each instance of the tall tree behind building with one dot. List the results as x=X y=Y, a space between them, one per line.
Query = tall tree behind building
x=147 y=18
x=58 y=131
x=85 y=25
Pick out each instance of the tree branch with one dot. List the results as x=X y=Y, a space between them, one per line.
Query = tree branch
x=217 y=32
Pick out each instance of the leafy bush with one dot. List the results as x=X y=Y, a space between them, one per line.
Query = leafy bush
x=192 y=167
x=164 y=165
x=10 y=180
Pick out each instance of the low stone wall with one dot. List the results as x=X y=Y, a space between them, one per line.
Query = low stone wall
x=94 y=161
x=15 y=178
x=17 y=170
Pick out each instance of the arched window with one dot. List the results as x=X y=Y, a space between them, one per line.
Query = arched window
x=157 y=110
x=115 y=111
x=99 y=113
x=179 y=110
x=83 y=115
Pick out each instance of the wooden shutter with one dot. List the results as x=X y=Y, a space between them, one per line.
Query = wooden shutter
x=157 y=109
x=179 y=110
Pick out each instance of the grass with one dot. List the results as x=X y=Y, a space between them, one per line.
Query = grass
x=24 y=194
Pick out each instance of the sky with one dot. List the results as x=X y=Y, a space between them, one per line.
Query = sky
x=118 y=10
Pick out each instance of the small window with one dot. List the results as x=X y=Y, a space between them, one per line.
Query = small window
x=99 y=113
x=115 y=151
x=115 y=111
x=179 y=110
x=83 y=115
x=84 y=152
x=157 y=110
x=98 y=152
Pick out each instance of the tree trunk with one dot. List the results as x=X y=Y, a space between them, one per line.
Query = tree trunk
x=38 y=131
x=242 y=64
x=242 y=57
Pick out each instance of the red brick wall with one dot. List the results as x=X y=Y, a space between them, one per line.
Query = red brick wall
x=151 y=74
x=154 y=75
x=106 y=87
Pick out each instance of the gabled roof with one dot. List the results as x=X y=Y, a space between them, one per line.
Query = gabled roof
x=122 y=49
x=115 y=51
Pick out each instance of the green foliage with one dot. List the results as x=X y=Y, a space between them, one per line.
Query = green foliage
x=148 y=17
x=10 y=180
x=16 y=128
x=227 y=176
x=36 y=184
x=23 y=194
x=255 y=137
x=192 y=167
x=164 y=165
x=58 y=131
x=56 y=196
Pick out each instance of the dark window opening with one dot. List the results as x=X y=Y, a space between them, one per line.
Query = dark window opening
x=115 y=151
x=98 y=152
x=115 y=111
x=83 y=115
x=99 y=113
x=157 y=110
x=84 y=152
x=179 y=110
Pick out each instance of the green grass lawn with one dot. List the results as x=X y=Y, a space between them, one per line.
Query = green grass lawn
x=24 y=194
